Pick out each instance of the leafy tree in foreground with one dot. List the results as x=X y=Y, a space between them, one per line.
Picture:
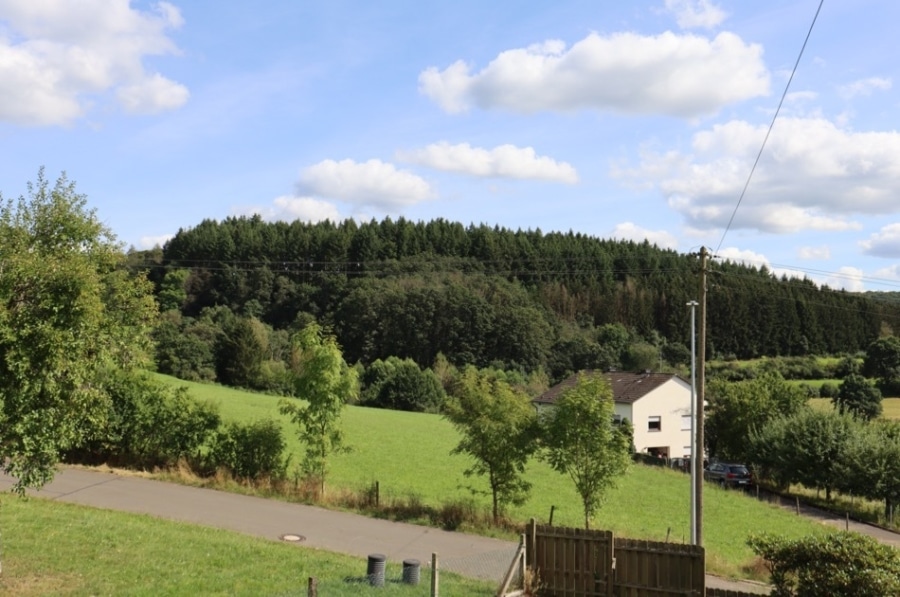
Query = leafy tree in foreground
x=858 y=397
x=582 y=442
x=871 y=464
x=498 y=431
x=324 y=380
x=838 y=565
x=68 y=312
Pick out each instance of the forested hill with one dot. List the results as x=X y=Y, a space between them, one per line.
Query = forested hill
x=495 y=296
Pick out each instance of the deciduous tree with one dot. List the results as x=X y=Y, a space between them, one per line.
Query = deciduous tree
x=68 y=311
x=858 y=397
x=322 y=378
x=582 y=442
x=498 y=431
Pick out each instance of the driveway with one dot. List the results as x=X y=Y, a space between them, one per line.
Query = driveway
x=470 y=555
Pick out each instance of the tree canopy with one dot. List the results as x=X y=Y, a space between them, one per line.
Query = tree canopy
x=581 y=441
x=69 y=310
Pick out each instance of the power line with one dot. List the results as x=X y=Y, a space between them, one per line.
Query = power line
x=769 y=131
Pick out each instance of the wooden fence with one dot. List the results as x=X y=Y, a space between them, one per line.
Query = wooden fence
x=587 y=563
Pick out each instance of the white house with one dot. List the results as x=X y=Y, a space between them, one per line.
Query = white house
x=658 y=405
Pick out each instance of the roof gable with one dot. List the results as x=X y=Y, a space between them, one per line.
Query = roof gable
x=627 y=387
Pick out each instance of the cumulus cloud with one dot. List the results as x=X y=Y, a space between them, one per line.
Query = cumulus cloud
x=864 y=87
x=149 y=242
x=884 y=243
x=373 y=183
x=677 y=75
x=692 y=14
x=847 y=278
x=289 y=208
x=633 y=232
x=61 y=56
x=813 y=175
x=503 y=161
x=814 y=253
x=889 y=273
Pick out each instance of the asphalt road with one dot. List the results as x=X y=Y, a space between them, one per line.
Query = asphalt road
x=473 y=555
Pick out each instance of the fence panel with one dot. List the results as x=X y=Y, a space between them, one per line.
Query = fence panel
x=572 y=562
x=655 y=569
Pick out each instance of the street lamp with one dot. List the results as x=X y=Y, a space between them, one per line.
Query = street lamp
x=695 y=450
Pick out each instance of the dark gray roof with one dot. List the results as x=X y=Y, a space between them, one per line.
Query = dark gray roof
x=626 y=387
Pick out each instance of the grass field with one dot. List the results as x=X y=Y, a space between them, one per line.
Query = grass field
x=52 y=548
x=409 y=454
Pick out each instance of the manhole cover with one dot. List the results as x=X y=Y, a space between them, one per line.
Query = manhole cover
x=291 y=538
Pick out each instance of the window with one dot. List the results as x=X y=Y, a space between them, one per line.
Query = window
x=654 y=424
x=685 y=422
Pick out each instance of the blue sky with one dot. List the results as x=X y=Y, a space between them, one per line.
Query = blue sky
x=616 y=119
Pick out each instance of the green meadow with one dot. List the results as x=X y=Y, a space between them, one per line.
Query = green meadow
x=53 y=548
x=409 y=455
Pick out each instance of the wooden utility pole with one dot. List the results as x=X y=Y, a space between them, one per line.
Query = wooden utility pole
x=701 y=396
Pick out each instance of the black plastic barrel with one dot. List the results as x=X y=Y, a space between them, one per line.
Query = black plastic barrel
x=375 y=570
x=411 y=572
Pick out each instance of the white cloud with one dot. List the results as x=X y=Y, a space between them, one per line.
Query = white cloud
x=757 y=260
x=60 y=57
x=504 y=161
x=885 y=243
x=373 y=183
x=813 y=175
x=847 y=278
x=691 y=14
x=149 y=242
x=814 y=253
x=677 y=75
x=889 y=273
x=152 y=95
x=864 y=87
x=289 y=208
x=633 y=232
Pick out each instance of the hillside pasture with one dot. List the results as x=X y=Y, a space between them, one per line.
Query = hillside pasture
x=409 y=455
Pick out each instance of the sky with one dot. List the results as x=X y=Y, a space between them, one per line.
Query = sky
x=631 y=120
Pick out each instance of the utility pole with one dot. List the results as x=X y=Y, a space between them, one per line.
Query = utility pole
x=701 y=397
x=695 y=460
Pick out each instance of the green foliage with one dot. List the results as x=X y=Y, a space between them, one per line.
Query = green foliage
x=581 y=441
x=858 y=397
x=172 y=294
x=184 y=347
x=148 y=424
x=883 y=359
x=400 y=384
x=323 y=379
x=870 y=465
x=497 y=425
x=838 y=565
x=829 y=390
x=252 y=450
x=67 y=312
x=240 y=351
x=737 y=408
x=807 y=447
x=641 y=356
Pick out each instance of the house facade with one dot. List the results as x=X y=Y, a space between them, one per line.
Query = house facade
x=658 y=405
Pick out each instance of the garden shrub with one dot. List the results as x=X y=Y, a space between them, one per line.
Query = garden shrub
x=841 y=564
x=249 y=450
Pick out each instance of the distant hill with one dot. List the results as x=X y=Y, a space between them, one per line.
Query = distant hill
x=490 y=295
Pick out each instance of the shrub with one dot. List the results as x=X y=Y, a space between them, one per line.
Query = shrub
x=829 y=390
x=148 y=424
x=249 y=451
x=839 y=565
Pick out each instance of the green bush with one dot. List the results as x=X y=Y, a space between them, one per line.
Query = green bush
x=829 y=390
x=839 y=565
x=249 y=451
x=148 y=424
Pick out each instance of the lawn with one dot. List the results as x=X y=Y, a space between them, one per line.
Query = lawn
x=53 y=548
x=409 y=454
x=890 y=406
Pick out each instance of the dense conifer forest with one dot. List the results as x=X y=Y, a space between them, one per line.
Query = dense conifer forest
x=476 y=294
